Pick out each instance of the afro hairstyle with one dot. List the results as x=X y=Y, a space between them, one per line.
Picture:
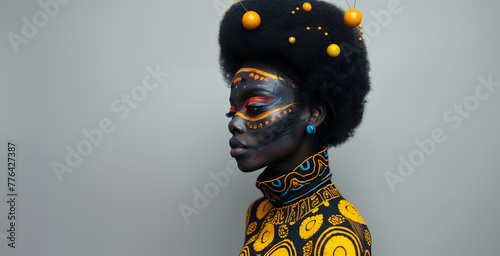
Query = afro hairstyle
x=339 y=84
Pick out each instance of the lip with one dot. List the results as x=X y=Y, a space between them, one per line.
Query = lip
x=237 y=147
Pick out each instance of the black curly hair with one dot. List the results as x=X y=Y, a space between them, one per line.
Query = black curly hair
x=339 y=84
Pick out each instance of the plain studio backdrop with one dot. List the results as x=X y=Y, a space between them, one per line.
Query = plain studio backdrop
x=116 y=113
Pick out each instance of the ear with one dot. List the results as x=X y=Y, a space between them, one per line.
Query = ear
x=317 y=115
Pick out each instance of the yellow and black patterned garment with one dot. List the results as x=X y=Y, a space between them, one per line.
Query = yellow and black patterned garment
x=302 y=213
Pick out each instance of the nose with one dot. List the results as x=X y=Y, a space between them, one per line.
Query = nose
x=236 y=125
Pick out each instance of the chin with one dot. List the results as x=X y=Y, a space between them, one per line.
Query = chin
x=248 y=166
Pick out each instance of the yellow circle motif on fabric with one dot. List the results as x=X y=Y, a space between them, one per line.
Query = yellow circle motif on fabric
x=266 y=236
x=339 y=246
x=338 y=241
x=336 y=219
x=283 y=248
x=310 y=226
x=308 y=248
x=283 y=231
x=245 y=251
x=280 y=252
x=350 y=212
x=251 y=228
x=263 y=208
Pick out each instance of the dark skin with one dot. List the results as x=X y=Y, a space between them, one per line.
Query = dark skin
x=268 y=124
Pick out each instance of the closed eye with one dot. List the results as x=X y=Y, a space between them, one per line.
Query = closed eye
x=253 y=104
x=256 y=102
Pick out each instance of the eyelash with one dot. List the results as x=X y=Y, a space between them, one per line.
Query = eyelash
x=254 y=107
x=231 y=112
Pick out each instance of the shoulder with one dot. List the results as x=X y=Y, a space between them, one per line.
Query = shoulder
x=255 y=204
x=255 y=218
x=337 y=226
x=258 y=209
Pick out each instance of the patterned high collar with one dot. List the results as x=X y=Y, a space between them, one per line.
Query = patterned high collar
x=312 y=174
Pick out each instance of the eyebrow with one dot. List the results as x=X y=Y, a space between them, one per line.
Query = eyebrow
x=254 y=90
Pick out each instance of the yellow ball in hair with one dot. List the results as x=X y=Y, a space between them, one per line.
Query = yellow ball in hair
x=333 y=50
x=306 y=7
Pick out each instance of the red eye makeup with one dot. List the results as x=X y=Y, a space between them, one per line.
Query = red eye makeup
x=232 y=111
x=257 y=101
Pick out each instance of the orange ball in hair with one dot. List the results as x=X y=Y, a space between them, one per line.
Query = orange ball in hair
x=251 y=20
x=352 y=18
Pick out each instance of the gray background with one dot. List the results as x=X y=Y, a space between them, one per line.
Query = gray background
x=123 y=198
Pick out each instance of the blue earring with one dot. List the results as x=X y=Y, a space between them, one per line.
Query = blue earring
x=310 y=129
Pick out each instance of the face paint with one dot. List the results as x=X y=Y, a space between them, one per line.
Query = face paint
x=266 y=121
x=260 y=110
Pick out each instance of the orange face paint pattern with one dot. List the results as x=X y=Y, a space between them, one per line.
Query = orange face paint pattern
x=250 y=109
x=258 y=74
x=266 y=118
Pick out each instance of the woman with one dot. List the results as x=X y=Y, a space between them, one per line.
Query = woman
x=299 y=77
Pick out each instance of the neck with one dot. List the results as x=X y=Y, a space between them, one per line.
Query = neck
x=289 y=163
x=307 y=176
